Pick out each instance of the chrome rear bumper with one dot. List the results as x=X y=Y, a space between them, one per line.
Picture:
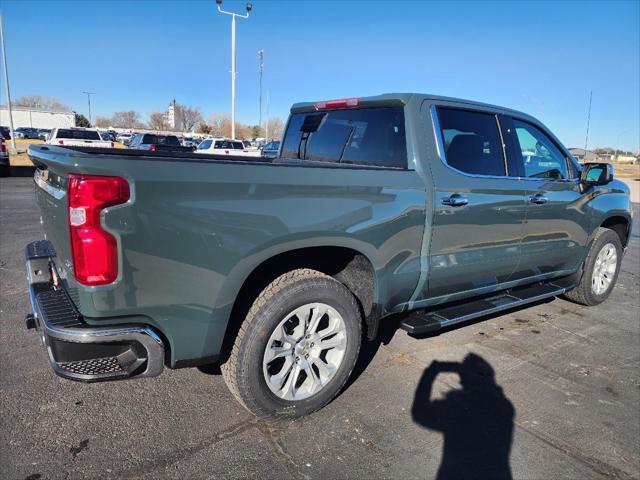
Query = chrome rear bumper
x=77 y=350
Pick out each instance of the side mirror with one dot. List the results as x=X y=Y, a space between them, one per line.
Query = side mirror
x=596 y=173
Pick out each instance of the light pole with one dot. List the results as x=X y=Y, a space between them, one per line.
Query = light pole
x=88 y=94
x=233 y=61
x=260 y=66
x=6 y=83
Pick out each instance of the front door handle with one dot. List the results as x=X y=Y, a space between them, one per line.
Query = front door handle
x=538 y=199
x=455 y=200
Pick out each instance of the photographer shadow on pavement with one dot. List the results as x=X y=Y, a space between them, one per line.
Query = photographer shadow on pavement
x=476 y=421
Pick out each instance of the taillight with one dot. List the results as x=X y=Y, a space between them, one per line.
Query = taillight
x=341 y=103
x=3 y=145
x=94 y=251
x=227 y=152
x=60 y=142
x=152 y=148
x=112 y=145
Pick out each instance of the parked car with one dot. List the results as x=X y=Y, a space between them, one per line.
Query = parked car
x=5 y=133
x=406 y=205
x=270 y=150
x=4 y=158
x=107 y=135
x=43 y=133
x=78 y=137
x=124 y=138
x=190 y=142
x=222 y=146
x=157 y=143
x=27 y=132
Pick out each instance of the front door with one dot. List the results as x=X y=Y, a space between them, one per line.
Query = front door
x=554 y=237
x=479 y=209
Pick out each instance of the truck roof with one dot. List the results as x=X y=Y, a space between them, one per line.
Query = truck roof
x=389 y=99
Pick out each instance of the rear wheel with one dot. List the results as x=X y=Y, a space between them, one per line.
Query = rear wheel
x=601 y=269
x=297 y=346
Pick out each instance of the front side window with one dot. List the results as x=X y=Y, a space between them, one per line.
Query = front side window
x=540 y=156
x=361 y=136
x=472 y=142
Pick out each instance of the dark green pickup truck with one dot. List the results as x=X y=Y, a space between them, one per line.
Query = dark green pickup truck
x=437 y=209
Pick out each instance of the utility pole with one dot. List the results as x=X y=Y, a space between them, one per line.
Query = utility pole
x=586 y=140
x=88 y=94
x=233 y=61
x=6 y=83
x=266 y=125
x=260 y=66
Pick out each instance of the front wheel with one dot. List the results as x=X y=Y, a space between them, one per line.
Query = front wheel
x=601 y=269
x=297 y=346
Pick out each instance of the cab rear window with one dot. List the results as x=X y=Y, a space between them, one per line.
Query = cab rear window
x=78 y=134
x=363 y=136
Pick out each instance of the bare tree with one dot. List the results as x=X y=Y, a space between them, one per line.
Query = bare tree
x=220 y=124
x=275 y=127
x=157 y=121
x=103 y=122
x=203 y=128
x=187 y=117
x=38 y=101
x=128 y=119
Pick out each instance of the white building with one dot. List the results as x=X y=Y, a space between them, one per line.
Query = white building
x=36 y=118
x=170 y=116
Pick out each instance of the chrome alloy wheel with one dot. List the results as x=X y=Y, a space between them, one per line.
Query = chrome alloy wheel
x=304 y=351
x=604 y=269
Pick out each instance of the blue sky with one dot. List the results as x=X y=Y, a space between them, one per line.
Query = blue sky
x=539 y=57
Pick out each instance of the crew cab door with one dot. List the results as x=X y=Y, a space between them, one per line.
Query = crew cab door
x=555 y=230
x=479 y=208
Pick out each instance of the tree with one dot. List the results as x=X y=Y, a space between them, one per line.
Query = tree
x=81 y=121
x=38 y=101
x=256 y=131
x=103 y=122
x=220 y=124
x=203 y=128
x=157 y=121
x=275 y=127
x=128 y=119
x=187 y=117
x=243 y=131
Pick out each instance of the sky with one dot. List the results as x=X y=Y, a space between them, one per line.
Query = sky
x=542 y=57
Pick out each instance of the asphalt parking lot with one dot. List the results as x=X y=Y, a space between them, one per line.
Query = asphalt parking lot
x=551 y=391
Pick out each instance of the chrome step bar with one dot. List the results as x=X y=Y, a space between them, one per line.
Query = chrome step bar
x=427 y=321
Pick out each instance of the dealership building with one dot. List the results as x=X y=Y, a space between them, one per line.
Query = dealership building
x=37 y=118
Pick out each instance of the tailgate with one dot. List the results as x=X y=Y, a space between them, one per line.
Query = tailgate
x=51 y=196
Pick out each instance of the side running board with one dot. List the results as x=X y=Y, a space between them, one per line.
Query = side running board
x=425 y=321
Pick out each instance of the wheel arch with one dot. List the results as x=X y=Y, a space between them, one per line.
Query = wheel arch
x=348 y=265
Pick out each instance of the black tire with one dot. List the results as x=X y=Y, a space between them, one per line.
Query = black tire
x=243 y=371
x=583 y=293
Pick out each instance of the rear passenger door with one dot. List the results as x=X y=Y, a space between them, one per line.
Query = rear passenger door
x=555 y=235
x=479 y=207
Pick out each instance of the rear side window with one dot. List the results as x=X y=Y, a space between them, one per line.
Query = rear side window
x=78 y=134
x=540 y=156
x=472 y=142
x=364 y=136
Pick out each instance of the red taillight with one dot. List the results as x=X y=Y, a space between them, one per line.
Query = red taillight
x=112 y=145
x=340 y=103
x=227 y=152
x=152 y=148
x=3 y=145
x=94 y=251
x=60 y=142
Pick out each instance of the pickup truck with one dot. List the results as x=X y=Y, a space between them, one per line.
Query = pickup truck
x=157 y=143
x=411 y=208
x=77 y=137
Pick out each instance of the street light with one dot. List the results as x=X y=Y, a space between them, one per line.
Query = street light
x=233 y=61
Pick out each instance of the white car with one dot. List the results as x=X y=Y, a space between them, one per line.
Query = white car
x=77 y=137
x=223 y=146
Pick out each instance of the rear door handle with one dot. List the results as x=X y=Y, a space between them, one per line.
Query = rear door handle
x=538 y=199
x=455 y=200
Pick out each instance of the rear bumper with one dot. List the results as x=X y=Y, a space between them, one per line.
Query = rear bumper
x=76 y=350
